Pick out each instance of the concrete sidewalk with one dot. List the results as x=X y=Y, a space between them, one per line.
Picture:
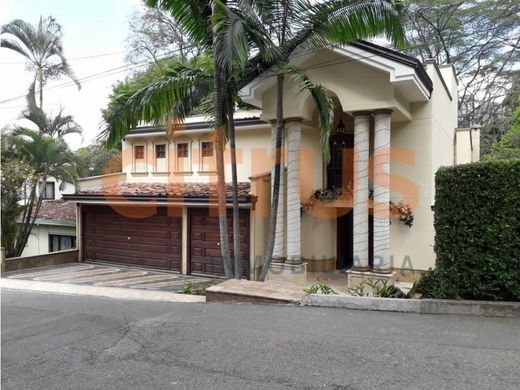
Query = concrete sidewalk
x=98 y=291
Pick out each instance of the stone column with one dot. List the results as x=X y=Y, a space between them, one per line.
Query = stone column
x=361 y=154
x=279 y=242
x=382 y=191
x=293 y=192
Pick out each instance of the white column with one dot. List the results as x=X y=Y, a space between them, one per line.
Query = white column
x=361 y=153
x=279 y=241
x=382 y=191
x=293 y=192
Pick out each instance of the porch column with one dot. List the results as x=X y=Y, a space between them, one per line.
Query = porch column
x=279 y=241
x=360 y=210
x=293 y=192
x=382 y=191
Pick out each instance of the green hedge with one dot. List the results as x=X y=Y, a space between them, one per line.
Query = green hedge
x=477 y=233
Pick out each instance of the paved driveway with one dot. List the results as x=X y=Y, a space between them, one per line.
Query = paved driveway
x=110 y=276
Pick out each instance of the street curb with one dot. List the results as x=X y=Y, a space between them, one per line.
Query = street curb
x=98 y=291
x=420 y=306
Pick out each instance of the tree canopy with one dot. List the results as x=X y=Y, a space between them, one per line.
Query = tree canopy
x=509 y=145
x=481 y=38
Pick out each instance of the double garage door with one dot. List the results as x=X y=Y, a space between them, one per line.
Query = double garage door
x=152 y=237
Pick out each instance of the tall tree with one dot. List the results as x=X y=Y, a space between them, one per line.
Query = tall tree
x=154 y=33
x=481 y=38
x=277 y=28
x=46 y=157
x=42 y=47
x=14 y=173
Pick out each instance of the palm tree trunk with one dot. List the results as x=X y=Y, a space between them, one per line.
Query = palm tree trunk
x=219 y=154
x=40 y=78
x=234 y=184
x=276 y=180
x=29 y=218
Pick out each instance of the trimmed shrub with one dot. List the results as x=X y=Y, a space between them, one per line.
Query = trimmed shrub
x=477 y=233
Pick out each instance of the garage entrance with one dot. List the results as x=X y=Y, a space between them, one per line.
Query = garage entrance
x=132 y=235
x=204 y=242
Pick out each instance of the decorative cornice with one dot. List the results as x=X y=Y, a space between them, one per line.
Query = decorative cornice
x=383 y=111
x=361 y=113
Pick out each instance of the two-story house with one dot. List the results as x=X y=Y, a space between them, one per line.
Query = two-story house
x=395 y=125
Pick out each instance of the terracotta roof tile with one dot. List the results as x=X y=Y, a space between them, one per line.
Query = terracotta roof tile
x=169 y=190
x=57 y=210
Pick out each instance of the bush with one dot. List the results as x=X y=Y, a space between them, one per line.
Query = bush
x=320 y=288
x=477 y=233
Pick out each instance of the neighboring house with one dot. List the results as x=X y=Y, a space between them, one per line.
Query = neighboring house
x=54 y=229
x=160 y=211
x=55 y=225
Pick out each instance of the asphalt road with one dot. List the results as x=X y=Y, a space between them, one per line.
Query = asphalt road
x=75 y=342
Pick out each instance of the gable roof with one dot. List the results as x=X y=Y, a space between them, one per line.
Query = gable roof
x=398 y=57
x=406 y=73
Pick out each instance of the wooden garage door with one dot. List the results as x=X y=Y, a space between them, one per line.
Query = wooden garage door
x=131 y=236
x=205 y=255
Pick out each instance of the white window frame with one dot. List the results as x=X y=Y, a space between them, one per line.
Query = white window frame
x=166 y=156
x=188 y=141
x=134 y=162
x=201 y=169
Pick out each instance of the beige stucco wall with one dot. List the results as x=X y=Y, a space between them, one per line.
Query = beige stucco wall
x=253 y=156
x=419 y=148
x=467 y=145
x=38 y=243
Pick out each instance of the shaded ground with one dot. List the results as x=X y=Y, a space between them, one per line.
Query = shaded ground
x=75 y=342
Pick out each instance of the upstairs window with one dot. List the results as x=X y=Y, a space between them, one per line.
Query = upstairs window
x=139 y=152
x=182 y=150
x=207 y=149
x=183 y=157
x=160 y=151
x=207 y=160
x=139 y=159
x=48 y=191
x=160 y=158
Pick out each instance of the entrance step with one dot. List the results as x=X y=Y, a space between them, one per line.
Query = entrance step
x=235 y=290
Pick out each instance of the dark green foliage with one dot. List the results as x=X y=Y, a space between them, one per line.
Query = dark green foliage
x=477 y=228
x=509 y=146
x=97 y=159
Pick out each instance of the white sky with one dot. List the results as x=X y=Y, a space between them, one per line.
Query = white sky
x=90 y=28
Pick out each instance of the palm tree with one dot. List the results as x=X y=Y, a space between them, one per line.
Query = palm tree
x=46 y=156
x=42 y=47
x=57 y=126
x=277 y=28
x=184 y=88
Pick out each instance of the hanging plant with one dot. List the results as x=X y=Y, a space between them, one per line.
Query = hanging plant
x=399 y=210
x=403 y=212
x=326 y=195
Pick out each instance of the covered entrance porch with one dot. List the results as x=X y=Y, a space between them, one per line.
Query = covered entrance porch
x=336 y=214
